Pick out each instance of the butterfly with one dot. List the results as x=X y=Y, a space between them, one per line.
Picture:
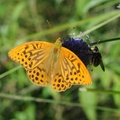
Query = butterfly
x=51 y=64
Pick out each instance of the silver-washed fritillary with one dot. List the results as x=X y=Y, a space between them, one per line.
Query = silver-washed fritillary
x=51 y=64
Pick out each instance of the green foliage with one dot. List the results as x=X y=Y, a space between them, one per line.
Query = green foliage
x=22 y=21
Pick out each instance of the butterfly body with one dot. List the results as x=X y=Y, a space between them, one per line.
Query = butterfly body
x=51 y=64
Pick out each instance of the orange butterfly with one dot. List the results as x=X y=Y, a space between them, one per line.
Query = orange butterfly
x=51 y=64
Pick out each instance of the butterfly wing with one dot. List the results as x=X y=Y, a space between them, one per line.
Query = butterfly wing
x=73 y=69
x=59 y=84
x=69 y=70
x=38 y=76
x=32 y=55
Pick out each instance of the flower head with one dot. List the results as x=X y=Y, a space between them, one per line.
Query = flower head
x=89 y=55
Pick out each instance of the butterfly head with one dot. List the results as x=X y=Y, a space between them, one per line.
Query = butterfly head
x=57 y=45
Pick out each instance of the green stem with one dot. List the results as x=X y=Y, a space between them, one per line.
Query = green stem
x=103 y=41
x=9 y=72
x=61 y=102
x=100 y=91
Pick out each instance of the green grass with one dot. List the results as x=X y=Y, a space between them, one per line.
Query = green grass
x=22 y=21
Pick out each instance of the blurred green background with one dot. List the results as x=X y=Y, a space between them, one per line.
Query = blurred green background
x=30 y=20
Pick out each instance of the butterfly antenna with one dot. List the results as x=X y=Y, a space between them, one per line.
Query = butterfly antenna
x=65 y=34
x=49 y=24
x=103 y=41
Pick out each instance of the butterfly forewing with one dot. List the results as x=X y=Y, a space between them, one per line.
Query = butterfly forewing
x=73 y=69
x=30 y=54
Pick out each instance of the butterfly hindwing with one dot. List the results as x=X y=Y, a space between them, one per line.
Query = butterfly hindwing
x=38 y=76
x=59 y=84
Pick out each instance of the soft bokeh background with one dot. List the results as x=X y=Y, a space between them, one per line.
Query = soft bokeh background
x=29 y=20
